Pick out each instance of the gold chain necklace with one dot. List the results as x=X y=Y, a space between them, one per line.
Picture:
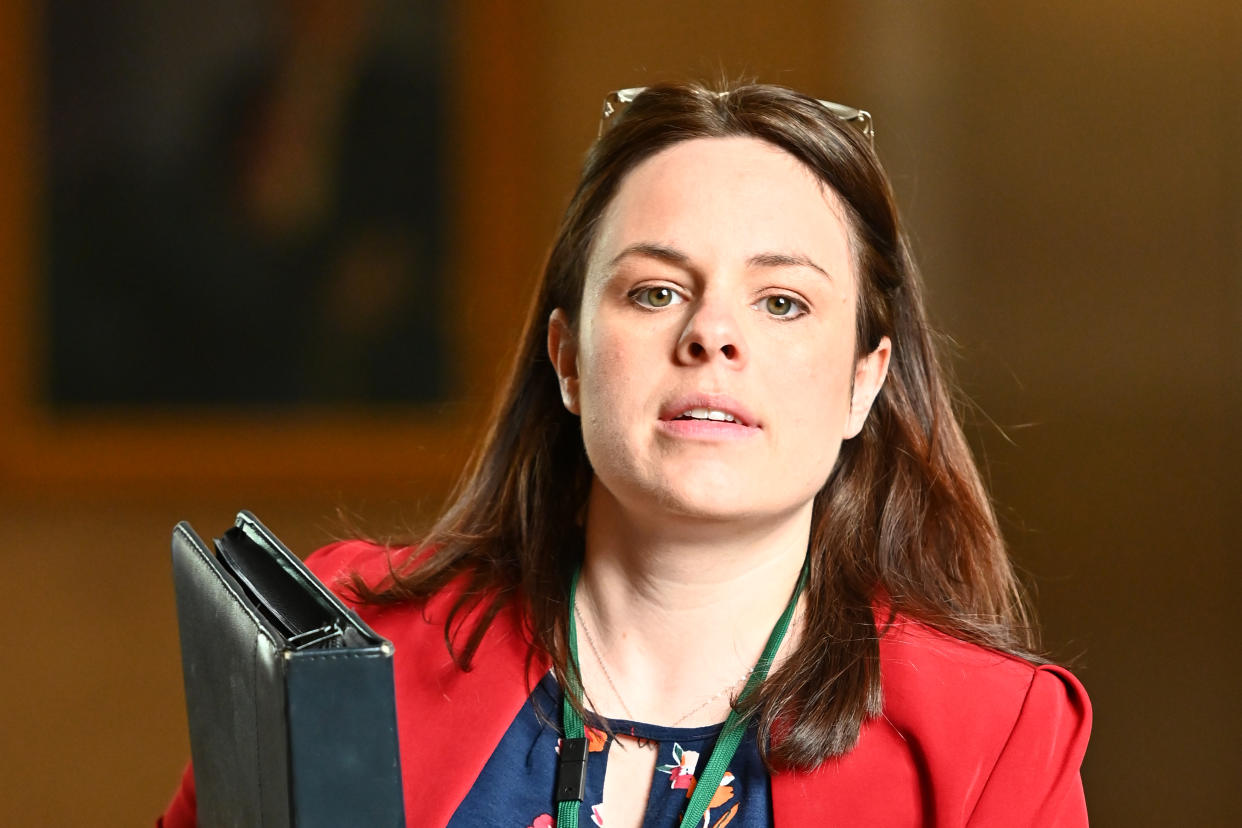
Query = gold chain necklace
x=599 y=657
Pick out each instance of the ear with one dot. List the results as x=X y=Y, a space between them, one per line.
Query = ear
x=563 y=352
x=869 y=376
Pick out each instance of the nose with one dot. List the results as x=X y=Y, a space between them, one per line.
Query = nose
x=712 y=332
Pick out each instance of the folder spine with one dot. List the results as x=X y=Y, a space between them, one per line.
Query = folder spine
x=359 y=784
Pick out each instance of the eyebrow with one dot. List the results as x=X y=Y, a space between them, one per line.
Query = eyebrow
x=656 y=251
x=786 y=260
x=672 y=255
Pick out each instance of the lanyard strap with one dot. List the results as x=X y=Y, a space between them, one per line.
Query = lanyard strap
x=571 y=770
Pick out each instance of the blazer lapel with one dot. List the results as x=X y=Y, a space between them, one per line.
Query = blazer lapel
x=444 y=751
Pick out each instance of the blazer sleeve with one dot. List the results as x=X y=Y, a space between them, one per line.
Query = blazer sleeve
x=182 y=811
x=1036 y=779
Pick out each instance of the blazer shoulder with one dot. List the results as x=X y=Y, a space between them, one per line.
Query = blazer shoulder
x=925 y=671
x=966 y=736
x=1037 y=772
x=1009 y=729
x=337 y=563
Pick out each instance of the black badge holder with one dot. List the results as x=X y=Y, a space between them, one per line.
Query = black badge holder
x=289 y=694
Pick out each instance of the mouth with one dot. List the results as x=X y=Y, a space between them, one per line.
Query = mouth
x=708 y=410
x=714 y=414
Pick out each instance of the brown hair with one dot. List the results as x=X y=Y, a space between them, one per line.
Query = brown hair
x=903 y=521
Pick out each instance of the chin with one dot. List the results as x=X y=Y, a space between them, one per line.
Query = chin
x=707 y=493
x=713 y=510
x=726 y=502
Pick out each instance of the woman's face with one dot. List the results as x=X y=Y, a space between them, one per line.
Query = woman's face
x=713 y=360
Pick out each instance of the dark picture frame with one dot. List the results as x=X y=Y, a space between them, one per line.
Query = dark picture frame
x=337 y=442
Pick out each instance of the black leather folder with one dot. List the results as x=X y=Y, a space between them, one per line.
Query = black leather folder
x=289 y=694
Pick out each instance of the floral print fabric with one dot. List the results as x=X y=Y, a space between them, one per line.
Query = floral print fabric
x=515 y=788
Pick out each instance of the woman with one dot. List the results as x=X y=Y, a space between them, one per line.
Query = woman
x=727 y=462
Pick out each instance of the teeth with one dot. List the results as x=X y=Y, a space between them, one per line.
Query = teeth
x=710 y=414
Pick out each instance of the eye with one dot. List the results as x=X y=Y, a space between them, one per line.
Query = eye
x=656 y=297
x=782 y=306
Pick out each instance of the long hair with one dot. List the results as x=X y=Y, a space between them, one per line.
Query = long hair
x=903 y=522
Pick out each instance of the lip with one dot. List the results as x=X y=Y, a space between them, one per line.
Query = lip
x=743 y=418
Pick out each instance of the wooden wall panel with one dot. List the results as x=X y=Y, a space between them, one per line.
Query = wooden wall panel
x=1072 y=177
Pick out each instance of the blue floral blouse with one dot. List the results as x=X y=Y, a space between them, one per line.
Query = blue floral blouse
x=515 y=788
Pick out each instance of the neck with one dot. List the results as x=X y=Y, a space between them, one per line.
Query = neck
x=680 y=608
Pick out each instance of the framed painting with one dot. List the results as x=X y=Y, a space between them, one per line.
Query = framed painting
x=241 y=239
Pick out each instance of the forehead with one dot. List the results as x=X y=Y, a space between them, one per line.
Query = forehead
x=722 y=199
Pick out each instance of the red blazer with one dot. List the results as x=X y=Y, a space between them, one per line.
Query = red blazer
x=968 y=736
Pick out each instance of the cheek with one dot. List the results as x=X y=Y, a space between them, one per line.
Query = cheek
x=814 y=382
x=609 y=406
x=611 y=389
x=615 y=357
x=816 y=374
x=601 y=369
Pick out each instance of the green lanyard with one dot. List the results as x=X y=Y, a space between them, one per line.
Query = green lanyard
x=571 y=769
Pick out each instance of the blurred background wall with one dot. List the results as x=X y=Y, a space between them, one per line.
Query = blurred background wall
x=1072 y=176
